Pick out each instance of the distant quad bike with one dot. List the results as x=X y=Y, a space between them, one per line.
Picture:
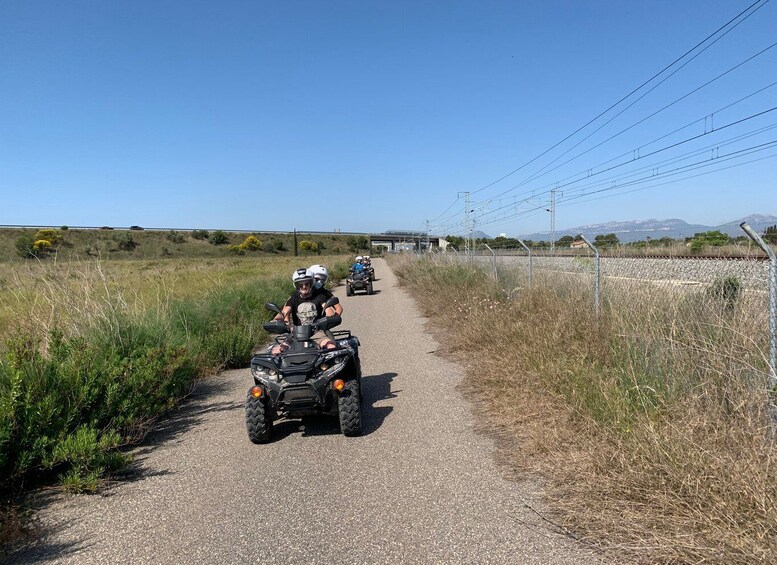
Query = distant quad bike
x=305 y=379
x=358 y=281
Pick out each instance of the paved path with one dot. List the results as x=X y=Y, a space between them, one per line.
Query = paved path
x=418 y=487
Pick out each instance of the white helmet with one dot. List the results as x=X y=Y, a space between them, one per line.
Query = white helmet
x=320 y=275
x=367 y=257
x=300 y=277
x=359 y=258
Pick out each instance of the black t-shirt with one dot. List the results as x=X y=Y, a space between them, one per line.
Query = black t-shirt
x=318 y=298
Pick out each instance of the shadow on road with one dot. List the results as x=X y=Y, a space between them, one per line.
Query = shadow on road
x=374 y=389
x=45 y=552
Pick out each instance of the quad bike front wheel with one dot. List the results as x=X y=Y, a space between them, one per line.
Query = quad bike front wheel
x=258 y=420
x=369 y=287
x=349 y=409
x=348 y=290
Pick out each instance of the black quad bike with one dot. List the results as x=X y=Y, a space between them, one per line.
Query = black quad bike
x=305 y=379
x=358 y=281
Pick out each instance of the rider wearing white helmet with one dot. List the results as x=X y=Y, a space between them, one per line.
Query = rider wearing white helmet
x=320 y=276
x=305 y=305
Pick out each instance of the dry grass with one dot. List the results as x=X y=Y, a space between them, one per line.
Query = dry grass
x=39 y=295
x=650 y=424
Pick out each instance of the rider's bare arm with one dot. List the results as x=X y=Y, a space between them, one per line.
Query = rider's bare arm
x=284 y=315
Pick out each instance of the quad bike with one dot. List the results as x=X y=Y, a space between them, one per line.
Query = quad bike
x=358 y=281
x=305 y=379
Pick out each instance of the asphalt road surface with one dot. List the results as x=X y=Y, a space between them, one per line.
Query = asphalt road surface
x=419 y=486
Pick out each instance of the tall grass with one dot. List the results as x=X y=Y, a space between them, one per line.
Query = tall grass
x=650 y=423
x=91 y=360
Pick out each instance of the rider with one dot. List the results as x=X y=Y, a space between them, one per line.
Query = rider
x=358 y=267
x=320 y=276
x=305 y=306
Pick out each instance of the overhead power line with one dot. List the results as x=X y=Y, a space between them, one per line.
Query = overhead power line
x=559 y=184
x=758 y=3
x=708 y=162
x=537 y=175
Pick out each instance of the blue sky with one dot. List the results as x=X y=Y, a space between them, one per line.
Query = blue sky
x=368 y=116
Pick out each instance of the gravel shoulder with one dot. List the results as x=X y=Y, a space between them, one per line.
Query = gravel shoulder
x=420 y=486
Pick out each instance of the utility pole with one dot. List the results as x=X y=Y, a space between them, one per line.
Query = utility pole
x=553 y=221
x=467 y=227
x=427 y=235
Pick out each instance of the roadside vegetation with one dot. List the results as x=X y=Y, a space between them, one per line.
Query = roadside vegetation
x=649 y=425
x=93 y=352
x=63 y=243
x=710 y=243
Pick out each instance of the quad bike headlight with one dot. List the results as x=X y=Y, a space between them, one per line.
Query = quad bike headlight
x=269 y=374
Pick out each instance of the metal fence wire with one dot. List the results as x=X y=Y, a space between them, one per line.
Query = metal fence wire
x=715 y=314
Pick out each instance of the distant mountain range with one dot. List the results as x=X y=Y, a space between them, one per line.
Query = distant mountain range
x=636 y=230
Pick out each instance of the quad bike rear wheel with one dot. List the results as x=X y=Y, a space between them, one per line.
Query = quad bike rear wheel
x=258 y=420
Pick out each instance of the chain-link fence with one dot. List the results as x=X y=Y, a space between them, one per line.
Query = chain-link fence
x=713 y=314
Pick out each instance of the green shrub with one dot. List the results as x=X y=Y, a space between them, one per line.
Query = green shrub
x=726 y=291
x=175 y=237
x=68 y=407
x=218 y=238
x=714 y=238
x=38 y=245
x=125 y=241
x=200 y=234
x=770 y=235
x=305 y=245
x=357 y=242
x=24 y=246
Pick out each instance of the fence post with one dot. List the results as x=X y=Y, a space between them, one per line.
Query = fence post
x=772 y=303
x=596 y=273
x=493 y=261
x=529 y=252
